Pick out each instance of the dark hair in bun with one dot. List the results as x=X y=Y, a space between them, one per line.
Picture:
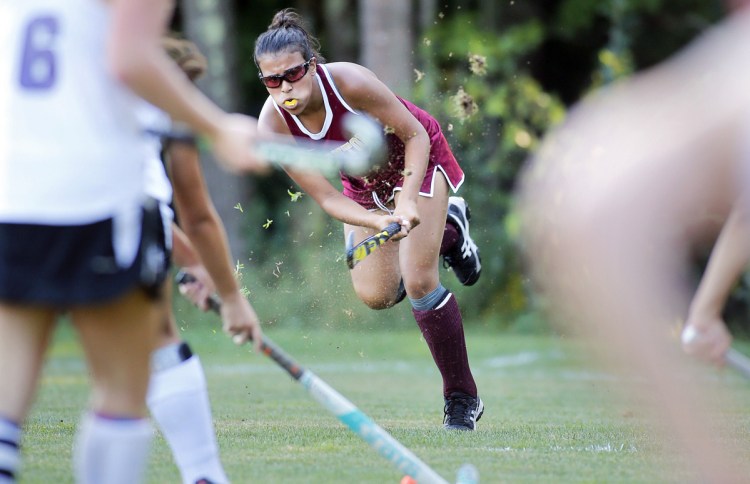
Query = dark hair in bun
x=287 y=33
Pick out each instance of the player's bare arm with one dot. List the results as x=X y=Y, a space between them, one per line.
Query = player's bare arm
x=332 y=201
x=705 y=334
x=205 y=230
x=366 y=93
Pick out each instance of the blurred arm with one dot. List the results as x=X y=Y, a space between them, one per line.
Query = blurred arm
x=135 y=56
x=728 y=261
x=199 y=220
x=205 y=230
x=705 y=334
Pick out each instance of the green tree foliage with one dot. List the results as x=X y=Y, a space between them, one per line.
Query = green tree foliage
x=494 y=95
x=493 y=112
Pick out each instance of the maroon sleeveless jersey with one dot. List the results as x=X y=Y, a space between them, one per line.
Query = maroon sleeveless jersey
x=382 y=182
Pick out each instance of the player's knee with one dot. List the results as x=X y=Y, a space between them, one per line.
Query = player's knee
x=421 y=287
x=375 y=299
x=376 y=302
x=379 y=304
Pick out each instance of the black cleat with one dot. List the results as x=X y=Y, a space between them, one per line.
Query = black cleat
x=462 y=411
x=464 y=258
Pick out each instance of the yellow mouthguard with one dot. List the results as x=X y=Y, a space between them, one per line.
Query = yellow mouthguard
x=290 y=103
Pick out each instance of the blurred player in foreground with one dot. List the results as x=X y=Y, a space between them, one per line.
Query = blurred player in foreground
x=76 y=236
x=611 y=206
x=310 y=98
x=178 y=394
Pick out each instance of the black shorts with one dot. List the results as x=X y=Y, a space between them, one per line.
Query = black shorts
x=73 y=265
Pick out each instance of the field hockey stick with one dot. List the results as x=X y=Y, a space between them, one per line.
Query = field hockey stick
x=359 y=423
x=738 y=361
x=364 y=149
x=356 y=253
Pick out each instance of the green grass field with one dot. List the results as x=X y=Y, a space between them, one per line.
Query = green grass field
x=549 y=416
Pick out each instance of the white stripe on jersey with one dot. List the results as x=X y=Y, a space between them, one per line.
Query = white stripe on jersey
x=336 y=89
x=326 y=123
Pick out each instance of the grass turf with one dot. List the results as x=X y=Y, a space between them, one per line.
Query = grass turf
x=549 y=416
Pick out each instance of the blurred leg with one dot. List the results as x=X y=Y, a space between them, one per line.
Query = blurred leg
x=114 y=438
x=24 y=336
x=178 y=401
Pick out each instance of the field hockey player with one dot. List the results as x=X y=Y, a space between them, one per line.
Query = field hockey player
x=613 y=205
x=76 y=235
x=308 y=98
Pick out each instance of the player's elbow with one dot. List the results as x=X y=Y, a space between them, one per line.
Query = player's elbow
x=197 y=225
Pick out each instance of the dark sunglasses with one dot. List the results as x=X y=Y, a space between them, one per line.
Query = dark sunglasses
x=293 y=74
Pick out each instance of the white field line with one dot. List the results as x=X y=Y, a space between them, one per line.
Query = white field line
x=523 y=358
x=599 y=448
x=533 y=365
x=593 y=448
x=345 y=368
x=490 y=366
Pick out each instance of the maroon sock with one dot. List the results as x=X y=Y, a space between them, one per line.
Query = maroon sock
x=444 y=333
x=450 y=238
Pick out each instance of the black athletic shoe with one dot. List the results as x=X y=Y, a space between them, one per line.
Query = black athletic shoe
x=462 y=411
x=464 y=258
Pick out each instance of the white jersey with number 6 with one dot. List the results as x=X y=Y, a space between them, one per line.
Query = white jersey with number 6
x=71 y=149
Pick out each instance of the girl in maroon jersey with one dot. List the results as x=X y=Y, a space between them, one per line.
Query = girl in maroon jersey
x=309 y=98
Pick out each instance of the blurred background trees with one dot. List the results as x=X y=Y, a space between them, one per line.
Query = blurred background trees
x=497 y=74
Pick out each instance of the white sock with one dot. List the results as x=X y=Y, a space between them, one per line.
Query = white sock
x=10 y=460
x=178 y=400
x=111 y=450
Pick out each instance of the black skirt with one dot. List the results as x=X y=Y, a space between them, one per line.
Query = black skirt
x=70 y=265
